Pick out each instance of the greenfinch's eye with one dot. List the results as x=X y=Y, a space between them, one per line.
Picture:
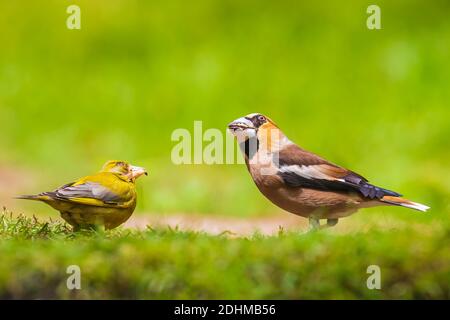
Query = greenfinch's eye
x=122 y=166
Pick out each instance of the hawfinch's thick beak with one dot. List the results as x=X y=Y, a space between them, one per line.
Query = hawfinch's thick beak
x=240 y=125
x=136 y=172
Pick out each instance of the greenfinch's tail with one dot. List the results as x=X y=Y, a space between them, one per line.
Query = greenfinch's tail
x=37 y=197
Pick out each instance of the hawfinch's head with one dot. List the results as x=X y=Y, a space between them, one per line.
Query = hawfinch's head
x=247 y=127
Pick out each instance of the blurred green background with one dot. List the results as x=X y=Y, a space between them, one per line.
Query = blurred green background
x=375 y=101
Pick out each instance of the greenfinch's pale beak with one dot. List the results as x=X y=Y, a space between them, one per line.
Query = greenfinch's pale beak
x=136 y=172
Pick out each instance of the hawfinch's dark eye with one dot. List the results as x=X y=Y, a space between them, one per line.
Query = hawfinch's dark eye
x=261 y=118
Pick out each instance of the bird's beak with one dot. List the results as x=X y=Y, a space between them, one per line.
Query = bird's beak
x=136 y=172
x=240 y=124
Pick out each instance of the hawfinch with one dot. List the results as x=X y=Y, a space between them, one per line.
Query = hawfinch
x=106 y=198
x=301 y=182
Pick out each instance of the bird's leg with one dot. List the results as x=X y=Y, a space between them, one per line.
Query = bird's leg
x=314 y=224
x=332 y=222
x=86 y=227
x=93 y=227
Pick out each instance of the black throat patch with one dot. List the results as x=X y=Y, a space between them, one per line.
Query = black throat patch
x=250 y=147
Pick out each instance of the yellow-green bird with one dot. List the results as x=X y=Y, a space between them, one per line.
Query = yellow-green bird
x=106 y=198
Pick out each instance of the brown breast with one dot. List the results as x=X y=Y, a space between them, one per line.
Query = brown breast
x=302 y=201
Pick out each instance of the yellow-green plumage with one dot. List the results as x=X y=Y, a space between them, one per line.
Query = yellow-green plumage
x=107 y=198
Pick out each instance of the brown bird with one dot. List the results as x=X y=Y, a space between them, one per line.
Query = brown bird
x=301 y=182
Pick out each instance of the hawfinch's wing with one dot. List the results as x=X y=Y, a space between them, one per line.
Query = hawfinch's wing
x=300 y=168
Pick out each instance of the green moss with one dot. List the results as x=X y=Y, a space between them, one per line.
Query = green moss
x=168 y=264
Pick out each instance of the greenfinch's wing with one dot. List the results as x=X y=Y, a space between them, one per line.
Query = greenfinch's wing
x=89 y=193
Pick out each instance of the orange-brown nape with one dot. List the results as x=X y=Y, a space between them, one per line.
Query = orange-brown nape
x=270 y=136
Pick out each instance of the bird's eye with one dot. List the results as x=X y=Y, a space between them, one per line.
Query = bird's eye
x=261 y=118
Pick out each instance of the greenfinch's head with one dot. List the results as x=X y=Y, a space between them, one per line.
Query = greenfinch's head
x=124 y=170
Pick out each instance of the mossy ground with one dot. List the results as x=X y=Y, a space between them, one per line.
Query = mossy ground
x=171 y=264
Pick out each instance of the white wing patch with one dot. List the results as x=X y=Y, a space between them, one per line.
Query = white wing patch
x=308 y=172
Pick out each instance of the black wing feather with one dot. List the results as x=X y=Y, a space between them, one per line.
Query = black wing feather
x=349 y=183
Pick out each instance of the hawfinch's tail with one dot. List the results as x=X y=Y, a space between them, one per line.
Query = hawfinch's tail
x=404 y=203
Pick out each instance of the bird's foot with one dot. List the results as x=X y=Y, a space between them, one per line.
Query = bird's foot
x=332 y=222
x=314 y=224
x=87 y=228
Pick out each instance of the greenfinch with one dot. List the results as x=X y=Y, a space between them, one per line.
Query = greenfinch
x=106 y=198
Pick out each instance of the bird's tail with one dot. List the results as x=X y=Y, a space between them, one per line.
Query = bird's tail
x=37 y=197
x=404 y=203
